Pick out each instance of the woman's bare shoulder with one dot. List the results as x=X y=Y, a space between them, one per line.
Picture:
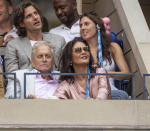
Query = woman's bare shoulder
x=115 y=48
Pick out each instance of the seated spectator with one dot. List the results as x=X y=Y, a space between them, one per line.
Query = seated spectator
x=7 y=30
x=37 y=86
x=105 y=52
x=67 y=13
x=106 y=21
x=28 y=21
x=76 y=58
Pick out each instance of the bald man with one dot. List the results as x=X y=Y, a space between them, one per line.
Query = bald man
x=66 y=11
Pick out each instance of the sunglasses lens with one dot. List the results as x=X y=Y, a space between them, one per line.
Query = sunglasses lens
x=78 y=49
x=86 y=48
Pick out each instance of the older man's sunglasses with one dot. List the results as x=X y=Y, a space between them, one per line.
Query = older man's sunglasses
x=79 y=49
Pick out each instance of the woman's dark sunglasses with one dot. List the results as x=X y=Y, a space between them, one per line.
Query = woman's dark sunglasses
x=79 y=49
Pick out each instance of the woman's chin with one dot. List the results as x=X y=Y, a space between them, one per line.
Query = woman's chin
x=84 y=37
x=85 y=63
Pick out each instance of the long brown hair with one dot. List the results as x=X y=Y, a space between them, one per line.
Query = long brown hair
x=106 y=40
x=66 y=58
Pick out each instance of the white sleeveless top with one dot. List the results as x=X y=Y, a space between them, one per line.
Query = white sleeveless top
x=110 y=68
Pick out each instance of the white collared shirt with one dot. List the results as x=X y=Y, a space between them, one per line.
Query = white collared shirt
x=32 y=42
x=68 y=33
x=11 y=33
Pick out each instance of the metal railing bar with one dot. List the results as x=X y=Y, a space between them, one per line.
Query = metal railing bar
x=144 y=85
x=73 y=74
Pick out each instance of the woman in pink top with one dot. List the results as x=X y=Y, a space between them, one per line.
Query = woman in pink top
x=76 y=58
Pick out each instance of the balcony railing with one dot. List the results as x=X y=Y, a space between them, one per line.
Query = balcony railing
x=73 y=74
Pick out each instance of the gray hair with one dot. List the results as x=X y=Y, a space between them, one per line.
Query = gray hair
x=39 y=43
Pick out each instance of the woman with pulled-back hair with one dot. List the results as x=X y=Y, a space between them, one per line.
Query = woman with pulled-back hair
x=105 y=53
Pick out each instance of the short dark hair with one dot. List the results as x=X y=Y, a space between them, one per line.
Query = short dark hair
x=66 y=58
x=19 y=16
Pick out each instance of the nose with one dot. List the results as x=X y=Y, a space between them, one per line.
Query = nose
x=34 y=16
x=82 y=27
x=44 y=59
x=83 y=51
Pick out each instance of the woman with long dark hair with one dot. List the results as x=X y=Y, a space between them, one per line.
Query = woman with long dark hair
x=105 y=53
x=76 y=58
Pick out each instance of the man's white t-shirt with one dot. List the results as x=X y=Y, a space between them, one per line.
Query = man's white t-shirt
x=68 y=33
